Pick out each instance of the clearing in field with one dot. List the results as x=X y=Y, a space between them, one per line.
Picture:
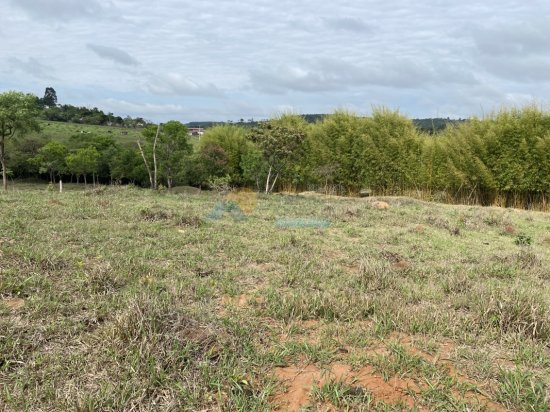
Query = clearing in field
x=125 y=299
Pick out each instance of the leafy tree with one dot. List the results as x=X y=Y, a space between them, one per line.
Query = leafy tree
x=18 y=113
x=174 y=149
x=20 y=151
x=83 y=162
x=234 y=144
x=165 y=150
x=51 y=159
x=254 y=167
x=50 y=97
x=126 y=164
x=281 y=142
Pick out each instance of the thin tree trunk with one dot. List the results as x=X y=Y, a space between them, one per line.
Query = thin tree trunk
x=155 y=157
x=274 y=181
x=3 y=162
x=146 y=164
x=267 y=180
x=85 y=182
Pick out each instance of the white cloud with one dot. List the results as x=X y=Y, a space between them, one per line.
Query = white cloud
x=179 y=85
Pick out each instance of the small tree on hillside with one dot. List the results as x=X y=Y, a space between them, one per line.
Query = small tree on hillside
x=51 y=159
x=18 y=113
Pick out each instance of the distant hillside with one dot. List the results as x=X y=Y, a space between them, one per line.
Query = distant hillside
x=427 y=125
x=434 y=125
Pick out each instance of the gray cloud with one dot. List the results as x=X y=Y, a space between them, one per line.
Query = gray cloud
x=113 y=54
x=331 y=74
x=348 y=24
x=32 y=67
x=512 y=39
x=61 y=10
x=178 y=85
x=517 y=51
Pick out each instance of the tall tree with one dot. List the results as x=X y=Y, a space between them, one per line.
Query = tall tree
x=50 y=97
x=173 y=149
x=165 y=149
x=18 y=113
x=281 y=142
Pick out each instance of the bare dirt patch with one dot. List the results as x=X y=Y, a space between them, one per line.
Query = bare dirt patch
x=299 y=381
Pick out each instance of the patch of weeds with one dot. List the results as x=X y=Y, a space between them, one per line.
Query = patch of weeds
x=245 y=396
x=376 y=275
x=343 y=305
x=188 y=219
x=456 y=284
x=155 y=214
x=531 y=355
x=527 y=260
x=343 y=395
x=521 y=390
x=523 y=240
x=516 y=312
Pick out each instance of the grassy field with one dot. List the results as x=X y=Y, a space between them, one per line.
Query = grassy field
x=121 y=299
x=62 y=132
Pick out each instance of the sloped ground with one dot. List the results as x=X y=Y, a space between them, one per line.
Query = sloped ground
x=124 y=299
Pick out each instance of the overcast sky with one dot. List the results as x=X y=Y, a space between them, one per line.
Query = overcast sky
x=220 y=60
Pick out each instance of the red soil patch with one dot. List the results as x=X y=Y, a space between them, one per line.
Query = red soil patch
x=300 y=381
x=509 y=229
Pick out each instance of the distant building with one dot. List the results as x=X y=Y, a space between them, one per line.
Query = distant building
x=195 y=131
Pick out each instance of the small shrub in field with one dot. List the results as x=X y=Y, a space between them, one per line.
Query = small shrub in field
x=189 y=220
x=180 y=219
x=154 y=215
x=523 y=240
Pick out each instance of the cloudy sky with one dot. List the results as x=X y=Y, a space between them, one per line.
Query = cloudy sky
x=221 y=60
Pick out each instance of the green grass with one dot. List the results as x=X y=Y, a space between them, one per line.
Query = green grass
x=62 y=132
x=136 y=300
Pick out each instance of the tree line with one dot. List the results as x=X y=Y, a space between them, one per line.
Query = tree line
x=502 y=158
x=50 y=110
